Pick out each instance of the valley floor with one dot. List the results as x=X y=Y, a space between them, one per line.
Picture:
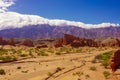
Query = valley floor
x=71 y=66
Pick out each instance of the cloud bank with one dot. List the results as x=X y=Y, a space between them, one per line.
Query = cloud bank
x=16 y=20
x=4 y=4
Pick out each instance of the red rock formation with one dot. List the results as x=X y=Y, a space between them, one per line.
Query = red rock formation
x=28 y=43
x=1 y=39
x=111 y=42
x=67 y=39
x=11 y=42
x=42 y=46
x=59 y=43
x=75 y=41
x=115 y=60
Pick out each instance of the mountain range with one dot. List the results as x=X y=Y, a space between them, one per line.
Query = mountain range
x=47 y=31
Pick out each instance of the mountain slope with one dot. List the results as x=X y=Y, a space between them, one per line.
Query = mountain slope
x=47 y=31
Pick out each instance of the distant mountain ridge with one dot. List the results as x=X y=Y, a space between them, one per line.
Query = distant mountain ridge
x=48 y=31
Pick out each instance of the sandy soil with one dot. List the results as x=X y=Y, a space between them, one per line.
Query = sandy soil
x=74 y=66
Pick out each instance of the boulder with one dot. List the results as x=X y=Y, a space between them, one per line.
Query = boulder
x=115 y=60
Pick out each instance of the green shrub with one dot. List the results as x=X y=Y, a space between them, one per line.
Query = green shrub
x=42 y=53
x=93 y=68
x=7 y=58
x=2 y=72
x=105 y=58
x=106 y=74
x=58 y=53
x=3 y=51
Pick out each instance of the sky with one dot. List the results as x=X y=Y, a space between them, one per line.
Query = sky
x=79 y=13
x=87 y=11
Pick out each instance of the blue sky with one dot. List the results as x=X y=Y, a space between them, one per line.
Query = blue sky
x=87 y=11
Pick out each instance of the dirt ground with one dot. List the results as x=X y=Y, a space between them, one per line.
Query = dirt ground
x=73 y=66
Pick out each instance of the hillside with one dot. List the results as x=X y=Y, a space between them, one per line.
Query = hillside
x=47 y=31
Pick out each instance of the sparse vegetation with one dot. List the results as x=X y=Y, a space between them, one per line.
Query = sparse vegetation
x=93 y=68
x=106 y=74
x=3 y=51
x=87 y=76
x=79 y=73
x=7 y=58
x=25 y=71
x=42 y=53
x=49 y=74
x=103 y=58
x=23 y=55
x=2 y=72
x=19 y=67
x=59 y=69
x=58 y=53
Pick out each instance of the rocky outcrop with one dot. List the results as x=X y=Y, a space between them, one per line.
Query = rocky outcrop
x=115 y=60
x=28 y=43
x=111 y=42
x=84 y=42
x=42 y=46
x=11 y=42
x=75 y=41
x=68 y=39
x=7 y=42
x=59 y=43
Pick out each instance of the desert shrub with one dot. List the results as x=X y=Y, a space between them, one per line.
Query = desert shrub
x=7 y=58
x=3 y=51
x=93 y=61
x=58 y=53
x=93 y=68
x=30 y=53
x=105 y=58
x=2 y=72
x=106 y=74
x=98 y=57
x=87 y=76
x=49 y=74
x=13 y=51
x=78 y=73
x=23 y=55
x=25 y=71
x=19 y=67
x=59 y=69
x=42 y=53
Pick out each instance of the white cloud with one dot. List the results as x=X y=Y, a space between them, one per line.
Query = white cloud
x=4 y=4
x=16 y=20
